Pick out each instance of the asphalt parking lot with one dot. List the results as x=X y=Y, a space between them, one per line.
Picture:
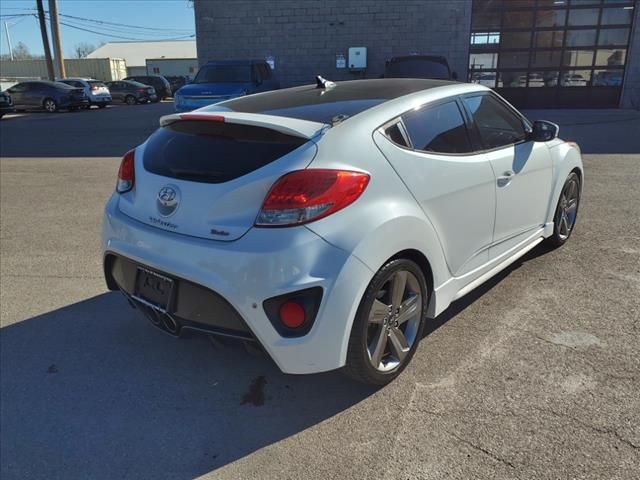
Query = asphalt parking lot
x=534 y=375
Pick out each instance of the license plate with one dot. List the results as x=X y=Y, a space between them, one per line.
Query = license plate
x=153 y=289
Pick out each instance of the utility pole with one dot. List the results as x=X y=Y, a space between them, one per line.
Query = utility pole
x=45 y=41
x=6 y=29
x=55 y=34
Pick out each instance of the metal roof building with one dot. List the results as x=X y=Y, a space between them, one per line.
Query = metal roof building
x=135 y=54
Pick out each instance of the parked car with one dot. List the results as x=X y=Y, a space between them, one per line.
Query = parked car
x=225 y=79
x=52 y=96
x=330 y=222
x=131 y=92
x=608 y=78
x=95 y=90
x=573 y=80
x=177 y=82
x=6 y=104
x=419 y=66
x=488 y=79
x=158 y=82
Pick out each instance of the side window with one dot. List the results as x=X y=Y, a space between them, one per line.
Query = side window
x=395 y=135
x=21 y=87
x=438 y=128
x=265 y=71
x=498 y=125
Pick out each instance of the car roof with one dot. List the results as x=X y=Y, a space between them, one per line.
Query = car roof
x=322 y=105
x=233 y=62
x=433 y=58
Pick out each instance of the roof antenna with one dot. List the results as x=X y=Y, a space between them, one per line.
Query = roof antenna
x=322 y=82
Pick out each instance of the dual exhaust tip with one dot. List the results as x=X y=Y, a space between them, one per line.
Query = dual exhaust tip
x=162 y=320
x=159 y=319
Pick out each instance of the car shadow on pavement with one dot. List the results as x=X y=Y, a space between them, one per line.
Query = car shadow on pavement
x=93 y=391
x=461 y=304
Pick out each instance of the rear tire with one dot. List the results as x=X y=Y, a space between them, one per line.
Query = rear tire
x=566 y=214
x=389 y=323
x=102 y=105
x=50 y=105
x=130 y=100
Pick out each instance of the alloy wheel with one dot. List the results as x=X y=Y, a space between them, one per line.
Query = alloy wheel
x=394 y=321
x=50 y=106
x=567 y=208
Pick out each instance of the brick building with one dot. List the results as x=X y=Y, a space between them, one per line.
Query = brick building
x=538 y=53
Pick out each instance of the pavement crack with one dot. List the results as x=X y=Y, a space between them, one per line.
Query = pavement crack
x=594 y=428
x=488 y=453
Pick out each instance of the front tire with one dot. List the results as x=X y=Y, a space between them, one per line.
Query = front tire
x=389 y=323
x=566 y=214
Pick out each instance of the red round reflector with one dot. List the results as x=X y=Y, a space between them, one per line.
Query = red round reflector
x=291 y=314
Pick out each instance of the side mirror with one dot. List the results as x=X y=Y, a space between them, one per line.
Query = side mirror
x=544 y=131
x=454 y=75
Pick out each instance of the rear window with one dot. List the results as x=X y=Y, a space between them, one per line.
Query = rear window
x=97 y=84
x=211 y=152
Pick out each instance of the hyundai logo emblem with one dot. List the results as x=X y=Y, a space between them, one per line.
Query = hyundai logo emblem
x=168 y=200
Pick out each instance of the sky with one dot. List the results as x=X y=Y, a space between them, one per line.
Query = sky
x=160 y=19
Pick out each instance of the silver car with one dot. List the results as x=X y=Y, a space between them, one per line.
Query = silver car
x=95 y=90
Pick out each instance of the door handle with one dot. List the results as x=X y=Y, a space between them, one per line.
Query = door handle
x=505 y=179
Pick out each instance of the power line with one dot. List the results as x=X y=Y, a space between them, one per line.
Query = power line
x=121 y=37
x=106 y=25
x=104 y=22
x=117 y=30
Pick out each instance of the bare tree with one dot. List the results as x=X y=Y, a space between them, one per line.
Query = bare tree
x=21 y=52
x=82 y=49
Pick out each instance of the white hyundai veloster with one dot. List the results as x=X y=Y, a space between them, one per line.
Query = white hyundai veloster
x=330 y=222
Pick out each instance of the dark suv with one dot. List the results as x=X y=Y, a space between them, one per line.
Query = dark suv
x=419 y=66
x=158 y=82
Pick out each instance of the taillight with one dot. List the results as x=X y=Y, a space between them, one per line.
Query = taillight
x=126 y=173
x=142 y=90
x=304 y=196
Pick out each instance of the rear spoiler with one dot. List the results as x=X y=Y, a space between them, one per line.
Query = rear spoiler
x=288 y=126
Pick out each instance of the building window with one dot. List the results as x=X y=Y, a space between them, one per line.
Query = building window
x=537 y=52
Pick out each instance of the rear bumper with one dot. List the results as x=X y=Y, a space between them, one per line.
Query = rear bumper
x=262 y=264
x=100 y=100
x=73 y=103
x=192 y=306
